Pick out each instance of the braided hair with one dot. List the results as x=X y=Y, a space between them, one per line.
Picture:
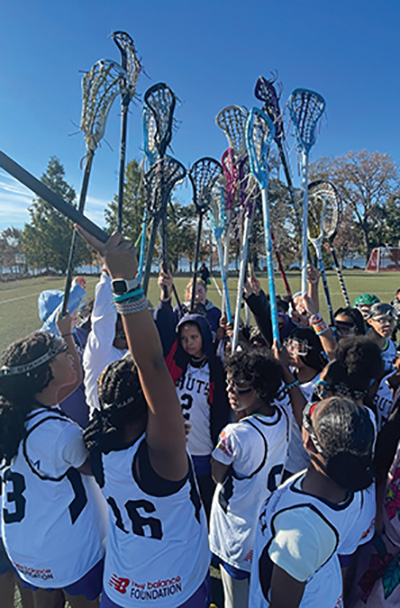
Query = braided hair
x=345 y=435
x=121 y=401
x=17 y=391
x=259 y=368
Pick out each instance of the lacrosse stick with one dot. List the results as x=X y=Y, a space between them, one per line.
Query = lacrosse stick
x=131 y=64
x=248 y=214
x=217 y=217
x=231 y=175
x=259 y=134
x=55 y=200
x=159 y=182
x=331 y=191
x=330 y=194
x=203 y=175
x=265 y=91
x=232 y=121
x=306 y=108
x=150 y=151
x=161 y=102
x=322 y=221
x=100 y=87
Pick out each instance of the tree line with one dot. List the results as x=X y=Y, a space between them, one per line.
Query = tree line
x=368 y=184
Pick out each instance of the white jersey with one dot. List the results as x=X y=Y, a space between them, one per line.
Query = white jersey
x=256 y=449
x=304 y=535
x=193 y=392
x=99 y=350
x=383 y=400
x=54 y=518
x=157 y=552
x=389 y=354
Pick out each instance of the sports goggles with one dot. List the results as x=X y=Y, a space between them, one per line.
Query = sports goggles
x=297 y=347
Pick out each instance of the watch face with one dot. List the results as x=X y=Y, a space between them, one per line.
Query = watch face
x=119 y=286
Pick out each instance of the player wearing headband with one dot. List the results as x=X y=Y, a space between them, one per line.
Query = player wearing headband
x=47 y=497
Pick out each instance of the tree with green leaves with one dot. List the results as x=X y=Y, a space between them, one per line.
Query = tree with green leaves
x=46 y=238
x=367 y=183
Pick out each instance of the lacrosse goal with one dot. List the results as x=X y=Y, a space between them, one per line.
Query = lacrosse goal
x=383 y=259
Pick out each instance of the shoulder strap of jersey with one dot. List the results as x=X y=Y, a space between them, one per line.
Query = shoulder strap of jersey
x=61 y=417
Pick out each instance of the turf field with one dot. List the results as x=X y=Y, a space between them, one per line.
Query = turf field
x=18 y=299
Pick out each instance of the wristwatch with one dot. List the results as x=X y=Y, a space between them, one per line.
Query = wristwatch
x=121 y=286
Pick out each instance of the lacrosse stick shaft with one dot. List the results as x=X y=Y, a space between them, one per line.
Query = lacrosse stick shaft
x=289 y=184
x=55 y=200
x=282 y=270
x=122 y=156
x=304 y=237
x=339 y=274
x=327 y=294
x=270 y=265
x=81 y=206
x=242 y=277
x=224 y=278
x=196 y=261
x=225 y=260
x=149 y=257
x=142 y=245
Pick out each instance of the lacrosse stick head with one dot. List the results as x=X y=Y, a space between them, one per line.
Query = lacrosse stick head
x=265 y=91
x=231 y=174
x=259 y=134
x=100 y=86
x=216 y=211
x=149 y=135
x=232 y=121
x=306 y=108
x=129 y=59
x=161 y=102
x=203 y=175
x=324 y=207
x=159 y=181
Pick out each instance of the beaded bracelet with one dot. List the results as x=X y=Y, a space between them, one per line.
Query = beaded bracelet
x=130 y=295
x=131 y=306
x=66 y=335
x=292 y=385
x=318 y=324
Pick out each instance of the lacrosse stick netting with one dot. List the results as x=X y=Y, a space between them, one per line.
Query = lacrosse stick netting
x=203 y=175
x=322 y=220
x=330 y=193
x=163 y=176
x=151 y=155
x=305 y=108
x=100 y=86
x=231 y=174
x=265 y=91
x=161 y=102
x=232 y=121
x=131 y=64
x=259 y=135
x=217 y=218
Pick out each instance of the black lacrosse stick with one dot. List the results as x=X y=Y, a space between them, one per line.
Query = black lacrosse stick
x=265 y=91
x=160 y=180
x=131 y=64
x=161 y=101
x=204 y=175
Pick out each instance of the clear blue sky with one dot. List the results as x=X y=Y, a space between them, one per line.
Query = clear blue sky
x=210 y=52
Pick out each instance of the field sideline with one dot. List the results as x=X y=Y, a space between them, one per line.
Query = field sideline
x=18 y=299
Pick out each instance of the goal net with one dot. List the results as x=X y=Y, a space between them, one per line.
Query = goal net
x=383 y=259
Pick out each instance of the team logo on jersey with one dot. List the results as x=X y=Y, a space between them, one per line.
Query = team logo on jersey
x=150 y=590
x=249 y=556
x=43 y=574
x=119 y=584
x=224 y=444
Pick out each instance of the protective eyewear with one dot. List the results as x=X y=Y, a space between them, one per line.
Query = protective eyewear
x=238 y=388
x=345 y=329
x=307 y=424
x=297 y=347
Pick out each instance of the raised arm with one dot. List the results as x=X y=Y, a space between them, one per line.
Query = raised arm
x=165 y=434
x=65 y=326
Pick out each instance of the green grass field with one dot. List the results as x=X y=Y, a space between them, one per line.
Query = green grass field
x=18 y=299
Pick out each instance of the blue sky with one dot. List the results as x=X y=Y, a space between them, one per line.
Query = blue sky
x=210 y=53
